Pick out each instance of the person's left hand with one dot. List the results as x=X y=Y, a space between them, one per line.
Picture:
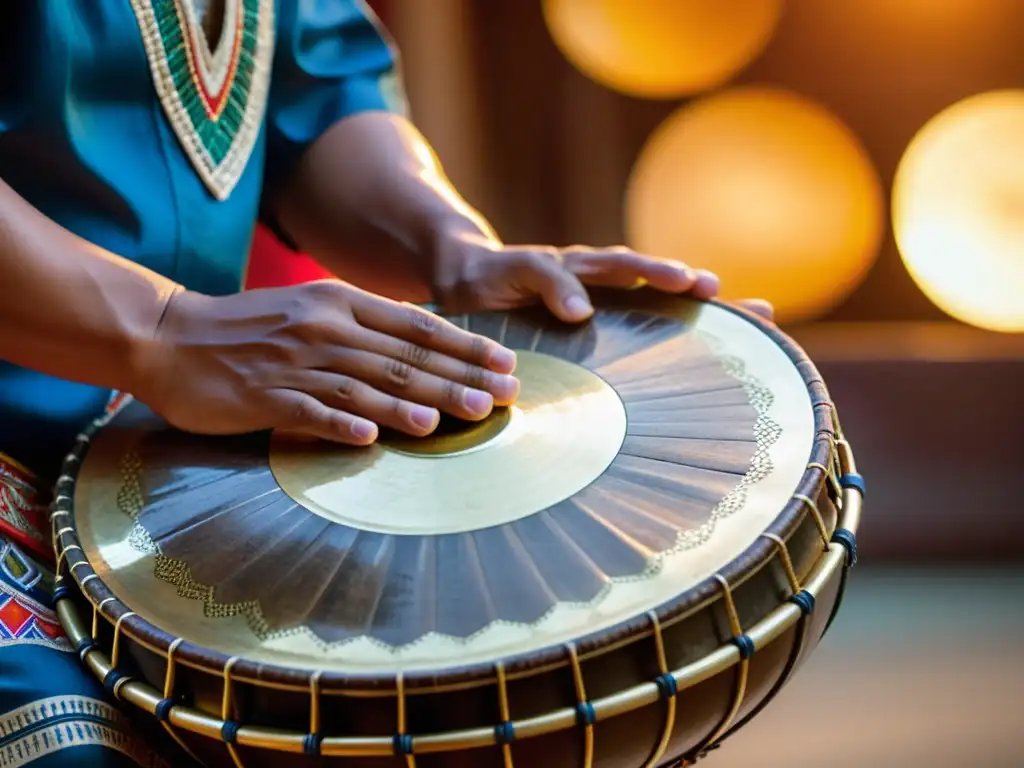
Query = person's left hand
x=476 y=273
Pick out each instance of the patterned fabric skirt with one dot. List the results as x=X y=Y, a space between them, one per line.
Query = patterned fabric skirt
x=53 y=712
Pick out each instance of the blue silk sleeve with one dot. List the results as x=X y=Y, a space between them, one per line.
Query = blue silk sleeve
x=332 y=60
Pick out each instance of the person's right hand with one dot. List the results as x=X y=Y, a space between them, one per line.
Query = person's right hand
x=323 y=359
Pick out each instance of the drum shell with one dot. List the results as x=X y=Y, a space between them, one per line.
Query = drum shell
x=623 y=740
x=694 y=625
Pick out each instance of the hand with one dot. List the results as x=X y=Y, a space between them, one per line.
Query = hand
x=324 y=359
x=476 y=272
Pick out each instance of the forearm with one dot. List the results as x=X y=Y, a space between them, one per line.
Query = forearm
x=369 y=200
x=69 y=308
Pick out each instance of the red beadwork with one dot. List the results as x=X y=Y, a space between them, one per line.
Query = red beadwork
x=22 y=619
x=23 y=509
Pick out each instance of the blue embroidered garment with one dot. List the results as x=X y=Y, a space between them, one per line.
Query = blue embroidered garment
x=125 y=128
x=135 y=126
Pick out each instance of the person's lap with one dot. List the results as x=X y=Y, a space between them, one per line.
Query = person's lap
x=53 y=712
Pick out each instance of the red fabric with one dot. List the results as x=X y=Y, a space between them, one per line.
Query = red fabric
x=272 y=264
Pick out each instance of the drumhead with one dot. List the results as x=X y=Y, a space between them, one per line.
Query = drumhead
x=649 y=451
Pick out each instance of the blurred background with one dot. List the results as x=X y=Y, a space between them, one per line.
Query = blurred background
x=861 y=164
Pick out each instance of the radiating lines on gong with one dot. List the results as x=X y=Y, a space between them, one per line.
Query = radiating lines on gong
x=465 y=604
x=689 y=438
x=624 y=334
x=349 y=599
x=653 y=502
x=679 y=364
x=561 y=560
x=608 y=337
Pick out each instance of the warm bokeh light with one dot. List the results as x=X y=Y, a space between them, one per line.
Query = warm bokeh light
x=958 y=210
x=768 y=189
x=661 y=48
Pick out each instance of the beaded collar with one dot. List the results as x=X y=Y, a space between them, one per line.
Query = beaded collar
x=214 y=95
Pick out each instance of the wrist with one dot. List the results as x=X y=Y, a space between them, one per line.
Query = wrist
x=446 y=251
x=146 y=352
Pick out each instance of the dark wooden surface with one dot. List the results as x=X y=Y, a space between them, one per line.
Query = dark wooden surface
x=935 y=413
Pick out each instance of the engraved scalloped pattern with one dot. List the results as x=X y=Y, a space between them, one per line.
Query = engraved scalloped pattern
x=178 y=574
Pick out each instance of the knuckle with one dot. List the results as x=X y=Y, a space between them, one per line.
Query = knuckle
x=345 y=388
x=299 y=309
x=453 y=393
x=303 y=412
x=540 y=258
x=423 y=323
x=475 y=377
x=541 y=261
x=399 y=372
x=415 y=355
x=479 y=349
x=324 y=290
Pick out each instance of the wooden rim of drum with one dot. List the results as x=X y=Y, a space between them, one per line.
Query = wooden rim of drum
x=70 y=553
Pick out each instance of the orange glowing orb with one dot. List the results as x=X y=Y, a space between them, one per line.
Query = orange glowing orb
x=661 y=49
x=958 y=210
x=766 y=188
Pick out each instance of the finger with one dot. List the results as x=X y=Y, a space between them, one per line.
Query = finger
x=624 y=268
x=350 y=395
x=404 y=381
x=541 y=272
x=425 y=329
x=758 y=307
x=299 y=412
x=707 y=285
x=502 y=387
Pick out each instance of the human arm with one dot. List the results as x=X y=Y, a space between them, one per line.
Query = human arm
x=370 y=201
x=351 y=181
x=325 y=359
x=69 y=308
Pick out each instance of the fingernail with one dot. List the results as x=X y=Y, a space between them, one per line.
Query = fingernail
x=507 y=388
x=579 y=308
x=363 y=429
x=709 y=283
x=423 y=417
x=503 y=359
x=477 y=402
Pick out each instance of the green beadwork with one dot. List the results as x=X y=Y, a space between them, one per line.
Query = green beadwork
x=215 y=134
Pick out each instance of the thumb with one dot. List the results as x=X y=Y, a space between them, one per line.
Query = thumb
x=542 y=272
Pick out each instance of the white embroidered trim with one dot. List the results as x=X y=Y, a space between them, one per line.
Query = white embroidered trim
x=221 y=178
x=77 y=721
x=215 y=64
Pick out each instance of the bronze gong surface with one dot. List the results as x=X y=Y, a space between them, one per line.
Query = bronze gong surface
x=648 y=450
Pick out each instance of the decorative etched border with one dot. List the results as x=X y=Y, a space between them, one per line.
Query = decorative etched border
x=177 y=573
